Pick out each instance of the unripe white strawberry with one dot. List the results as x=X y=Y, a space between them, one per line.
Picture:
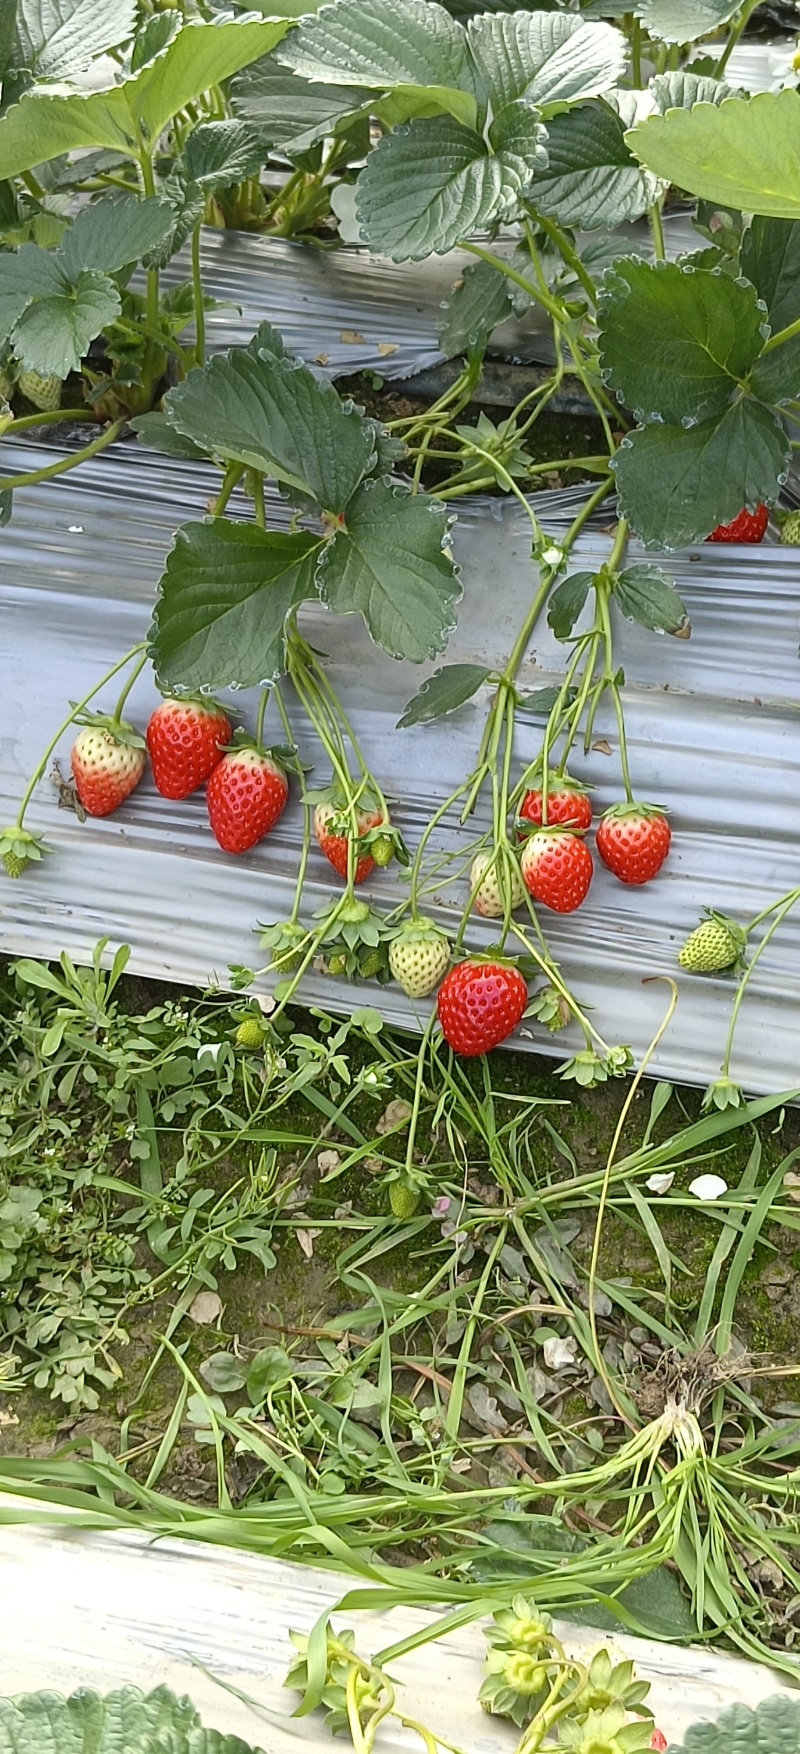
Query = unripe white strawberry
x=44 y=393
x=418 y=957
x=493 y=880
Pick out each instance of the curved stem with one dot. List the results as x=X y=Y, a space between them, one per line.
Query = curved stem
x=199 y=307
x=553 y=307
x=232 y=477
x=783 y=909
x=24 y=421
x=64 y=463
x=657 y=229
x=262 y=710
x=131 y=681
x=570 y=255
x=54 y=741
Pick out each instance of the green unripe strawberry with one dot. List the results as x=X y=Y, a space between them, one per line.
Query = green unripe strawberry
x=418 y=957
x=403 y=1199
x=717 y=943
x=382 y=850
x=486 y=879
x=337 y=964
x=790 y=530
x=250 y=1034
x=44 y=393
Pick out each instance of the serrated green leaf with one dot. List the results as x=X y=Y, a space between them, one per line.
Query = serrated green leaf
x=44 y=124
x=390 y=567
x=546 y=57
x=775 y=377
x=647 y=595
x=153 y=38
x=113 y=234
x=443 y=692
x=591 y=180
x=404 y=102
x=55 y=39
x=274 y=415
x=740 y=154
x=219 y=154
x=677 y=483
x=223 y=601
x=154 y=430
x=680 y=90
x=566 y=603
x=29 y=273
x=477 y=303
x=428 y=185
x=774 y=1725
x=675 y=342
x=367 y=43
x=292 y=112
x=770 y=258
x=53 y=333
x=517 y=136
x=684 y=21
x=45 y=1723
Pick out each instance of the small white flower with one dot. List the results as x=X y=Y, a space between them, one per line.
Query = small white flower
x=660 y=1184
x=552 y=555
x=212 y=1048
x=708 y=1187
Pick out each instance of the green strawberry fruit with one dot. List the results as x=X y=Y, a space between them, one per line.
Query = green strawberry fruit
x=715 y=944
x=6 y=385
x=790 y=530
x=382 y=850
x=403 y=1199
x=418 y=957
x=337 y=964
x=44 y=393
x=487 y=881
x=250 y=1034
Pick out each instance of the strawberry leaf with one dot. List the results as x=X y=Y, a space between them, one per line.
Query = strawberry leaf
x=645 y=594
x=219 y=154
x=223 y=601
x=567 y=603
x=770 y=257
x=433 y=182
x=546 y=57
x=413 y=42
x=53 y=334
x=592 y=179
x=289 y=111
x=113 y=234
x=40 y=1723
x=274 y=415
x=59 y=38
x=737 y=154
x=389 y=565
x=443 y=692
x=677 y=483
x=674 y=342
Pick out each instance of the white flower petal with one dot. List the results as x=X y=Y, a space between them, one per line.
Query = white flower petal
x=660 y=1184
x=708 y=1187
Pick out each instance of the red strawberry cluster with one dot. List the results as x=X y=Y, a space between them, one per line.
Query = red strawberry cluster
x=189 y=744
x=633 y=841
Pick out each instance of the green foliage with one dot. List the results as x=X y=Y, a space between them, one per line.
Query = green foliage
x=735 y=153
x=443 y=692
x=773 y=1724
x=45 y=1723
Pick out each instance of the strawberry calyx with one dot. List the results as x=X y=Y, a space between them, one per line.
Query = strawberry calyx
x=19 y=848
x=119 y=729
x=630 y=807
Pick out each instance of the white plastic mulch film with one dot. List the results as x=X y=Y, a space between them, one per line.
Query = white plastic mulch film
x=713 y=734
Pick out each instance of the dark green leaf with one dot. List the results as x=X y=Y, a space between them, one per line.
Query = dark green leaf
x=219 y=154
x=187 y=203
x=774 y=1725
x=274 y=415
x=153 y=38
x=45 y=124
x=540 y=702
x=291 y=112
x=680 y=90
x=412 y=42
x=776 y=375
x=390 y=567
x=429 y=184
x=6 y=506
x=677 y=483
x=223 y=1373
x=518 y=138
x=645 y=594
x=673 y=342
x=546 y=57
x=29 y=273
x=112 y=234
x=154 y=430
x=444 y=692
x=55 y=39
x=567 y=601
x=269 y=1367
x=770 y=258
x=52 y=335
x=477 y=303
x=44 y=1723
x=591 y=180
x=224 y=598
x=684 y=21
x=737 y=153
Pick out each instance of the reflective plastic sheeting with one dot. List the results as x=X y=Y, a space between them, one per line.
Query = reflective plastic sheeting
x=713 y=730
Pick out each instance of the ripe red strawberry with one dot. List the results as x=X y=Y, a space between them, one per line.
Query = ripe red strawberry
x=185 y=739
x=565 y=804
x=332 y=827
x=557 y=869
x=633 y=841
x=748 y=527
x=479 y=1004
x=246 y=794
x=108 y=760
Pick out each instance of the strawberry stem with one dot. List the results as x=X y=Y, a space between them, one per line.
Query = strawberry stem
x=106 y=437
x=780 y=909
x=232 y=477
x=262 y=709
x=54 y=741
x=132 y=679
